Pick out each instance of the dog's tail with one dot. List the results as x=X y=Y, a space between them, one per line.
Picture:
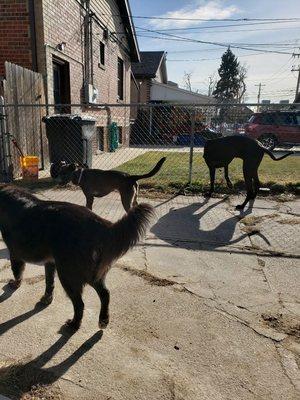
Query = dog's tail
x=151 y=173
x=279 y=158
x=125 y=233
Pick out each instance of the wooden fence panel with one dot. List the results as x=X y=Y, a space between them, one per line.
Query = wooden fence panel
x=25 y=90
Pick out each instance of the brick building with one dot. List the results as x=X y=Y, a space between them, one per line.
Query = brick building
x=83 y=49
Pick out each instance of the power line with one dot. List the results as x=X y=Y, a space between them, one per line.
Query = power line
x=217 y=58
x=222 y=26
x=279 y=72
x=180 y=38
x=280 y=44
x=230 y=30
x=203 y=19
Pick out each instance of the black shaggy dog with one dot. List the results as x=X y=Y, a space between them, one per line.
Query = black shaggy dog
x=68 y=238
x=218 y=153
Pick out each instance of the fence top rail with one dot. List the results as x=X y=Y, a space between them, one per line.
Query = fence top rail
x=187 y=105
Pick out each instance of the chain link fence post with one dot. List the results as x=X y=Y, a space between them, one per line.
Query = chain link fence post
x=5 y=155
x=192 y=140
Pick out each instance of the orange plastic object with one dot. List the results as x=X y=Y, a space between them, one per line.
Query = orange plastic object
x=30 y=167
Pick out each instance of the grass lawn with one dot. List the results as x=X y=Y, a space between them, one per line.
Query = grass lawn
x=281 y=176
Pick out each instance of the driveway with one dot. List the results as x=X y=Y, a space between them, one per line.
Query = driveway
x=207 y=307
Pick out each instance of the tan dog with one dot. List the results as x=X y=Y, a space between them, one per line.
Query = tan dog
x=99 y=183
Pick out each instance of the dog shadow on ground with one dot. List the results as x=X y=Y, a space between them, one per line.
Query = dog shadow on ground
x=31 y=376
x=4 y=254
x=182 y=227
x=7 y=292
x=11 y=323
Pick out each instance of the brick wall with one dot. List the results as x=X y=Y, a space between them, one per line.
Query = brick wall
x=63 y=22
x=58 y=21
x=15 y=43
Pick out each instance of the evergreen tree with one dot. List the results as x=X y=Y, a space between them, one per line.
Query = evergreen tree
x=228 y=86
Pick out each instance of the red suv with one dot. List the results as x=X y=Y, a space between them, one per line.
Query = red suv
x=274 y=127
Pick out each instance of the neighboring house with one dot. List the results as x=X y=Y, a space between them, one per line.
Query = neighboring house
x=171 y=93
x=150 y=82
x=83 y=49
x=160 y=124
x=152 y=68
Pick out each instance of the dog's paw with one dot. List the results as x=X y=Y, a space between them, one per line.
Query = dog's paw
x=103 y=323
x=73 y=325
x=15 y=283
x=46 y=299
x=239 y=207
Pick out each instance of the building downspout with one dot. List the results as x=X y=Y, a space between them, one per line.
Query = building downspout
x=33 y=34
x=87 y=51
x=91 y=52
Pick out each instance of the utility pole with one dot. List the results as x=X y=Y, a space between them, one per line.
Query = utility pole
x=298 y=80
x=210 y=85
x=260 y=85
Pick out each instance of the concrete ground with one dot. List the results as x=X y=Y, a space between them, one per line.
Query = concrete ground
x=207 y=307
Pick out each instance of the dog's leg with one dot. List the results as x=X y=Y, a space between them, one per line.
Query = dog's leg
x=127 y=198
x=89 y=202
x=212 y=173
x=49 y=277
x=135 y=196
x=17 y=267
x=228 y=181
x=249 y=186
x=256 y=184
x=74 y=291
x=103 y=294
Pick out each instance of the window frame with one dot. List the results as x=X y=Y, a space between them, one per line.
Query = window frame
x=120 y=80
x=102 y=55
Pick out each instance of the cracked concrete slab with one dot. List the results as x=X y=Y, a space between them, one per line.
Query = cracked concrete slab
x=160 y=341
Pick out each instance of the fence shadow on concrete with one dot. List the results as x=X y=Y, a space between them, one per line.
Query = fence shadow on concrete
x=188 y=233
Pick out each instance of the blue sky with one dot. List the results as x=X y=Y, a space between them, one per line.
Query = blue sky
x=203 y=60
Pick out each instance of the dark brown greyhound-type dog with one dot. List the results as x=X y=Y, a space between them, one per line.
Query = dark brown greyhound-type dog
x=218 y=153
x=68 y=238
x=99 y=183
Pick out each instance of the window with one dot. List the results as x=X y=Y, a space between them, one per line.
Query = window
x=268 y=119
x=101 y=54
x=120 y=79
x=284 y=119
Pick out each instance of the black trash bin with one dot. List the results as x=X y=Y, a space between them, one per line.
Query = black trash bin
x=70 y=138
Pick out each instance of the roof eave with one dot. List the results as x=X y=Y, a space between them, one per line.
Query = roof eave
x=127 y=20
x=145 y=76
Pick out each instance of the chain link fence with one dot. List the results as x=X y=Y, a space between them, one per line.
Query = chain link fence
x=128 y=138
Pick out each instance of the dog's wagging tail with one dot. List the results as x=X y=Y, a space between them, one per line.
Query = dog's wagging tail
x=153 y=172
x=69 y=239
